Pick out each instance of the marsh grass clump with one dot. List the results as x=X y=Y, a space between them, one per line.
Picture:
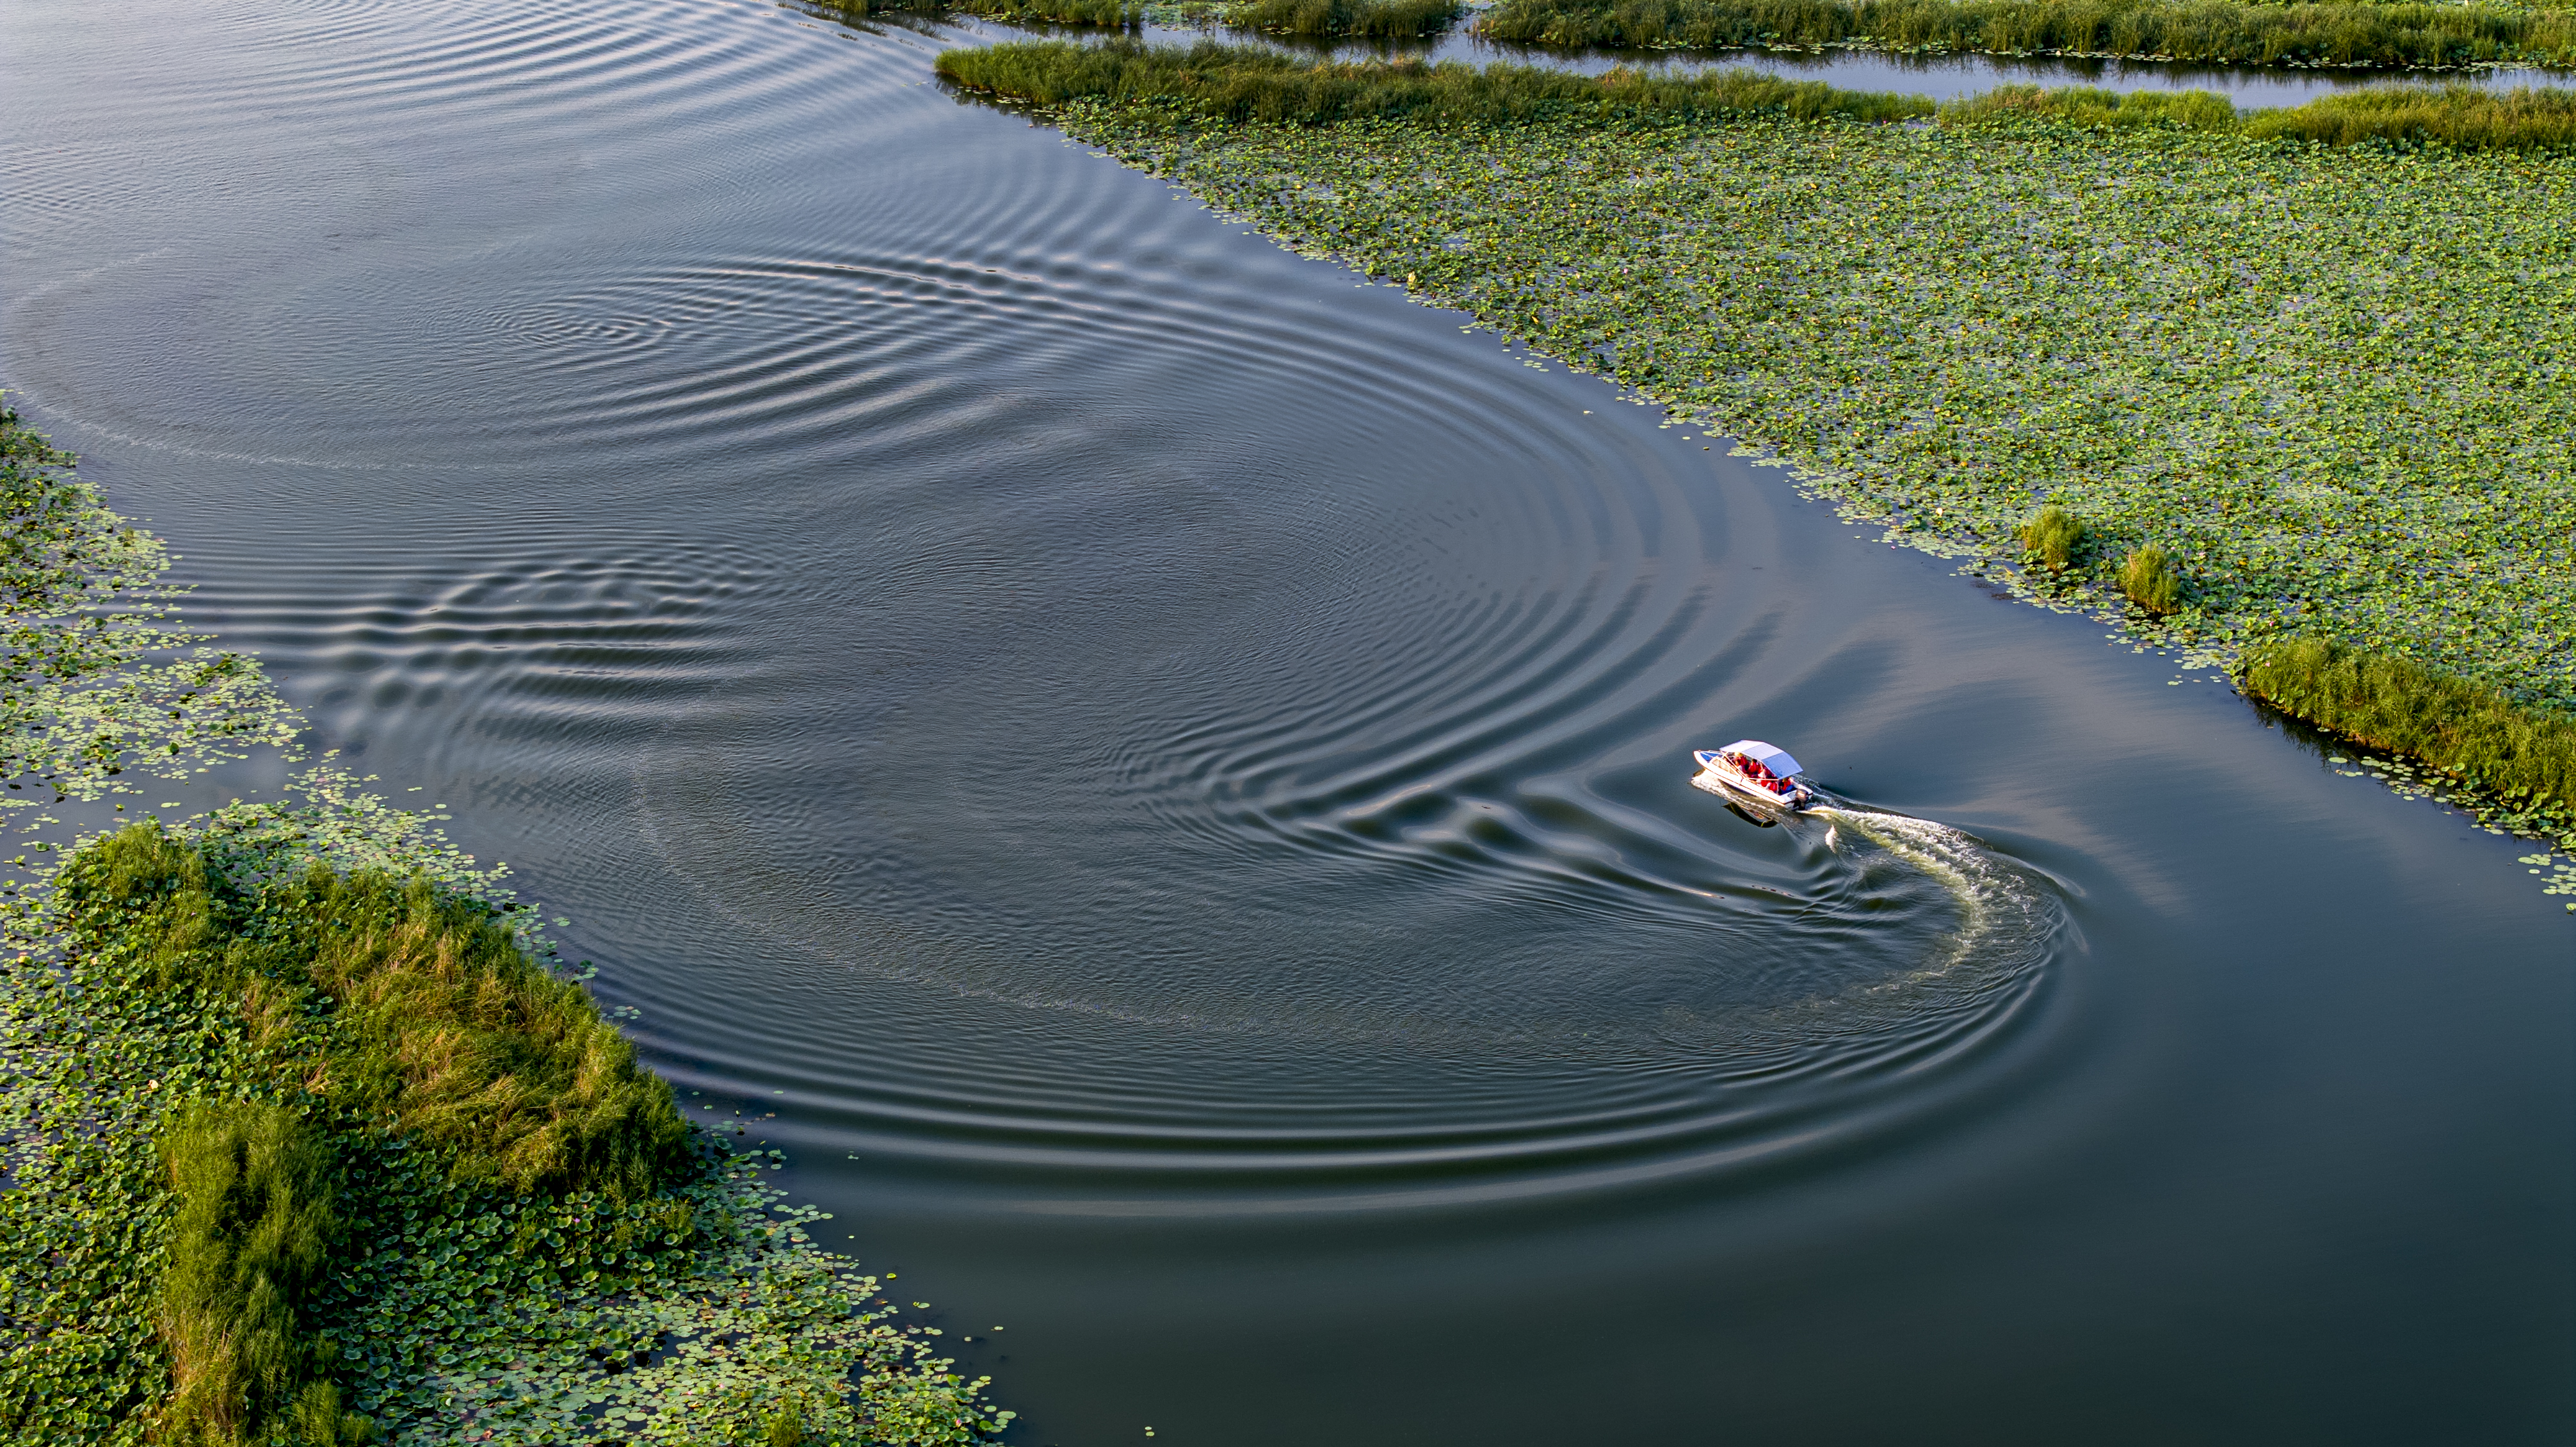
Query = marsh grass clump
x=1247 y=83
x=2404 y=706
x=462 y=1037
x=2455 y=117
x=2096 y=109
x=250 y=1226
x=2336 y=34
x=1381 y=19
x=439 y=1019
x=2150 y=579
x=2053 y=537
x=1112 y=14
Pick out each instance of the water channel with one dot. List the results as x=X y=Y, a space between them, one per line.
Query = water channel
x=1156 y=772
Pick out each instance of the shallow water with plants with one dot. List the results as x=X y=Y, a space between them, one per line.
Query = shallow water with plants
x=1154 y=773
x=1943 y=75
x=2319 y=377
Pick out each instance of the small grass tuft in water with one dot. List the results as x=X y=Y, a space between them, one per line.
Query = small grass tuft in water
x=2405 y=706
x=2052 y=538
x=2151 y=580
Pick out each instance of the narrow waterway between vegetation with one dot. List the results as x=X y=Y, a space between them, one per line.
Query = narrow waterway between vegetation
x=1156 y=772
x=1941 y=76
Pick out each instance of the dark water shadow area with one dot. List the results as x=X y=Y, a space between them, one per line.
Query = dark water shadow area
x=1157 y=773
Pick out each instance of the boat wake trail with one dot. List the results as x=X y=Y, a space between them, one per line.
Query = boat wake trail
x=2006 y=918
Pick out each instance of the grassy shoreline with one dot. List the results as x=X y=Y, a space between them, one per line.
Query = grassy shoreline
x=2359 y=34
x=2284 y=373
x=1357 y=19
x=2392 y=35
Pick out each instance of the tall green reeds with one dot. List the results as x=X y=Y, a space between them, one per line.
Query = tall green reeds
x=455 y=1031
x=251 y=1223
x=1116 y=14
x=366 y=998
x=1249 y=83
x=1382 y=19
x=437 y=1020
x=2459 y=117
x=2338 y=34
x=2404 y=706
x=2151 y=580
x=2052 y=538
x=2462 y=118
x=2095 y=109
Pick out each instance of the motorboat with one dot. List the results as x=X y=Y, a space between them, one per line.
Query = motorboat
x=1755 y=773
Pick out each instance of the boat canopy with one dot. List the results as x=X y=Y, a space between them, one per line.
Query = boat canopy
x=1776 y=760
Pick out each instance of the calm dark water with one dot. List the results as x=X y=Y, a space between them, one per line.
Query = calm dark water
x=1157 y=774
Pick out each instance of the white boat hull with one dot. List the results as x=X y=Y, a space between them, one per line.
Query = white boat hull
x=1717 y=777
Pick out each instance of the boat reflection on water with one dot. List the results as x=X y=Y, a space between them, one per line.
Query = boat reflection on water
x=1750 y=817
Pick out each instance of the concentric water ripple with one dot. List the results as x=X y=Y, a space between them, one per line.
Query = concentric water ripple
x=1008 y=672
x=1159 y=775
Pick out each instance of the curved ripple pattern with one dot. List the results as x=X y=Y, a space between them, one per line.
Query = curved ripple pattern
x=1124 y=720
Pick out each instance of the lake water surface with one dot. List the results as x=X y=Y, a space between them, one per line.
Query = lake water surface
x=1157 y=774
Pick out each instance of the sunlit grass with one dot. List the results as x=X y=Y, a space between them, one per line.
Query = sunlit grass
x=2052 y=538
x=250 y=1223
x=2150 y=579
x=1381 y=19
x=2216 y=31
x=1245 y=83
x=2406 y=706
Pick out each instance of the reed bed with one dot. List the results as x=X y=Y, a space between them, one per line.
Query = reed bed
x=251 y=1222
x=2459 y=118
x=1243 y=83
x=2214 y=31
x=2453 y=117
x=1115 y=14
x=1376 y=19
x=2405 y=706
x=1367 y=19
x=1249 y=84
